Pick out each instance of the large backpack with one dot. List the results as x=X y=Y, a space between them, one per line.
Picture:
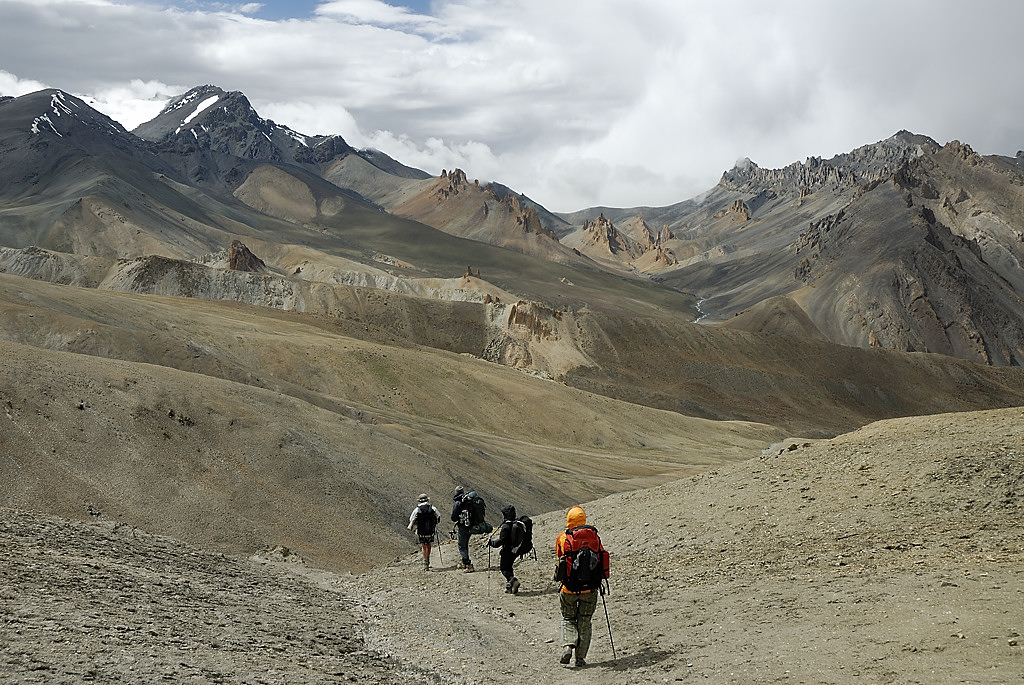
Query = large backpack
x=477 y=508
x=426 y=520
x=585 y=561
x=522 y=536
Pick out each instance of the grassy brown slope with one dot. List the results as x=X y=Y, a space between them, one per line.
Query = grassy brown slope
x=809 y=387
x=238 y=428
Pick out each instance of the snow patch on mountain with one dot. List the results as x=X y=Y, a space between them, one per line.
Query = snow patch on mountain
x=44 y=118
x=59 y=104
x=203 y=106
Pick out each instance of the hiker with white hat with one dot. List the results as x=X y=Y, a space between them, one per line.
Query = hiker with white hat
x=424 y=520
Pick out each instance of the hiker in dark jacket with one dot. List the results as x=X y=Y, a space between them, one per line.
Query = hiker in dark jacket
x=424 y=520
x=507 y=555
x=462 y=528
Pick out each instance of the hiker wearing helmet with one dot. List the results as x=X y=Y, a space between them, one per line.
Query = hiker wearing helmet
x=582 y=566
x=424 y=520
x=509 y=548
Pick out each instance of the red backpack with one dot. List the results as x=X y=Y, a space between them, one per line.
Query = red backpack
x=585 y=561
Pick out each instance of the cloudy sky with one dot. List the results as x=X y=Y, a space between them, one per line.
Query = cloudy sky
x=576 y=103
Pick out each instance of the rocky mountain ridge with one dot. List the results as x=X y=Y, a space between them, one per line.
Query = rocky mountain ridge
x=222 y=127
x=902 y=244
x=736 y=246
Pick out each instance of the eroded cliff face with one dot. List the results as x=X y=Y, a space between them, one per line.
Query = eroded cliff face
x=468 y=209
x=918 y=262
x=535 y=338
x=903 y=244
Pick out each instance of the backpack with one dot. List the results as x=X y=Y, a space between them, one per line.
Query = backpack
x=522 y=536
x=474 y=504
x=585 y=561
x=426 y=520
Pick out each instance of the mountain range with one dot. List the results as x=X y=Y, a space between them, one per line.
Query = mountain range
x=902 y=244
x=283 y=305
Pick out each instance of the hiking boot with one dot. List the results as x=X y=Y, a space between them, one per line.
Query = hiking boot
x=580 y=662
x=514 y=586
x=469 y=568
x=462 y=564
x=566 y=656
x=508 y=588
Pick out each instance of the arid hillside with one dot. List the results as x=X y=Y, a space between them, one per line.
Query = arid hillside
x=239 y=428
x=887 y=555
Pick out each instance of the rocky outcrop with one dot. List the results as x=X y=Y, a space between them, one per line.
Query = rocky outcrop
x=601 y=232
x=963 y=152
x=533 y=318
x=812 y=240
x=665 y=256
x=524 y=216
x=534 y=338
x=54 y=267
x=859 y=167
x=738 y=211
x=241 y=259
x=451 y=184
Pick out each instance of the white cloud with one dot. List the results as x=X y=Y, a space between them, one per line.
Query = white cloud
x=14 y=86
x=374 y=13
x=576 y=102
x=132 y=103
x=315 y=117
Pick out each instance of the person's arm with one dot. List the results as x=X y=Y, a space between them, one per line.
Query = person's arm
x=412 y=518
x=559 y=574
x=502 y=536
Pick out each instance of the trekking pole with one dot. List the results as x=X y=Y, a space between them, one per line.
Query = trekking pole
x=608 y=620
x=437 y=539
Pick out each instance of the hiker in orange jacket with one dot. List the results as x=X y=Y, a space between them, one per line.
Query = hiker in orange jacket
x=577 y=607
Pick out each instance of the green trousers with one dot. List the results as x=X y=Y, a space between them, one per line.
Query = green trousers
x=577 y=611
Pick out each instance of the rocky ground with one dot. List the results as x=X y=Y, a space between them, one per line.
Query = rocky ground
x=100 y=603
x=890 y=555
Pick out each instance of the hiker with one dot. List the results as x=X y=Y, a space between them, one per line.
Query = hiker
x=469 y=512
x=462 y=528
x=509 y=544
x=424 y=520
x=581 y=582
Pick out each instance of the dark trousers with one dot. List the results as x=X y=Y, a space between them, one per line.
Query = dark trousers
x=463 y=536
x=505 y=558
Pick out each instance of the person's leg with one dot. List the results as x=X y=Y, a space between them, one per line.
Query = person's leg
x=567 y=602
x=506 y=557
x=587 y=607
x=463 y=535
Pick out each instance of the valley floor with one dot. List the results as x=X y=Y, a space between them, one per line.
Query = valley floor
x=890 y=555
